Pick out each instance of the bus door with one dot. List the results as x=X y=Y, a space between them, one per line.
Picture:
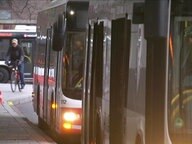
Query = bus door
x=28 y=47
x=120 y=50
x=180 y=80
x=47 y=77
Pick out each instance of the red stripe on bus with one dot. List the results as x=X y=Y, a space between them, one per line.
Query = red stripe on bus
x=40 y=79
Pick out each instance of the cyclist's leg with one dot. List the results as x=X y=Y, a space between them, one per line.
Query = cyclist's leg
x=21 y=70
x=13 y=81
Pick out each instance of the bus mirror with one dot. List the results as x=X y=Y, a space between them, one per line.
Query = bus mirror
x=138 y=13
x=157 y=27
x=61 y=23
x=58 y=33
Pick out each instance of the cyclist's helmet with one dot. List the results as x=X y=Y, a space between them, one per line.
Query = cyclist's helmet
x=188 y=31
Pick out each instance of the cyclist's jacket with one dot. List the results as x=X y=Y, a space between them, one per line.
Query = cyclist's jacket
x=15 y=53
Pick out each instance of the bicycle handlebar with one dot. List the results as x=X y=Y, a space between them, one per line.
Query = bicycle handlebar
x=13 y=64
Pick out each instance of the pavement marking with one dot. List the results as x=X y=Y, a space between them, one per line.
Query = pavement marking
x=10 y=103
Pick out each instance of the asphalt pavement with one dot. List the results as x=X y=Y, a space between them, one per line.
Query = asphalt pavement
x=14 y=129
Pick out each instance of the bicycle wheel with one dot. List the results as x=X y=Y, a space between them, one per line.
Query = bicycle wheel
x=13 y=81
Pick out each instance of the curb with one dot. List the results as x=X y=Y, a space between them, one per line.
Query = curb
x=8 y=108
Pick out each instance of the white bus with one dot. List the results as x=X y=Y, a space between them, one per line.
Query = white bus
x=138 y=86
x=58 y=67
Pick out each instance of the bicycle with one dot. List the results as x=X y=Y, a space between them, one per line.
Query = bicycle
x=15 y=77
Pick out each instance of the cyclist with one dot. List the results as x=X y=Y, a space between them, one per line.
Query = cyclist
x=15 y=53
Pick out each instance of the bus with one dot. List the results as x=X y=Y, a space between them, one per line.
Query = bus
x=137 y=77
x=27 y=39
x=58 y=67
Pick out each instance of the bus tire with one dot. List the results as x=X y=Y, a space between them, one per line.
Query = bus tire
x=4 y=75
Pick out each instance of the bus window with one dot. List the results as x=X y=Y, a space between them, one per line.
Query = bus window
x=180 y=90
x=4 y=45
x=27 y=48
x=73 y=62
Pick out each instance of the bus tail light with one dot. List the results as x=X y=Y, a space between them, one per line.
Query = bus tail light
x=67 y=125
x=71 y=116
x=71 y=120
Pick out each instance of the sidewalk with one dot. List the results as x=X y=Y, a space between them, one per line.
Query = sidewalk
x=18 y=97
x=13 y=128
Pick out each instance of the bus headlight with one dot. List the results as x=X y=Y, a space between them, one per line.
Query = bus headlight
x=71 y=116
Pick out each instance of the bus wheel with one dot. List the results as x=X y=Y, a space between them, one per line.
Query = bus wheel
x=4 y=75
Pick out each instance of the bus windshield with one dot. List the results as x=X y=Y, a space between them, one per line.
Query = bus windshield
x=73 y=63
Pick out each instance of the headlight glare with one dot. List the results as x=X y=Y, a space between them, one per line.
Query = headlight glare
x=71 y=116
